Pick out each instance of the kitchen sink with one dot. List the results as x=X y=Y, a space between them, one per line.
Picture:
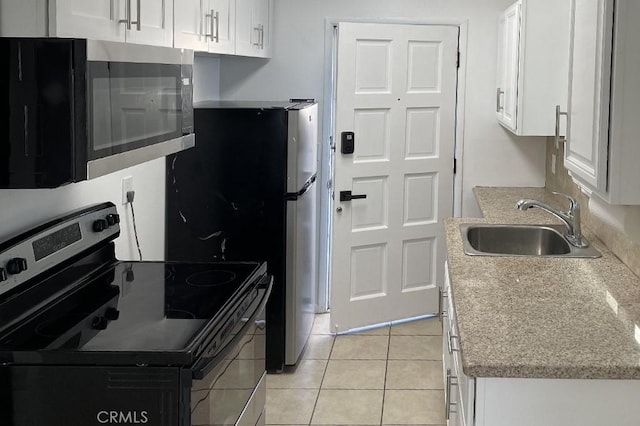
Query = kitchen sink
x=520 y=240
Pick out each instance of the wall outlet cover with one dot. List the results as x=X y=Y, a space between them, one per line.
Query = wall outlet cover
x=127 y=185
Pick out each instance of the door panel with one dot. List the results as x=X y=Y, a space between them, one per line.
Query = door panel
x=424 y=66
x=417 y=264
x=396 y=90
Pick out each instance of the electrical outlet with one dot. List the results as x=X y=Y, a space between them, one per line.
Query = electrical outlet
x=127 y=185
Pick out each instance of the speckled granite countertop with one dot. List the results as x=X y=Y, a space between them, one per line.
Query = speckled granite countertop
x=542 y=317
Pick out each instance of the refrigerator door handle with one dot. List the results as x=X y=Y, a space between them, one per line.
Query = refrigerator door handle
x=292 y=196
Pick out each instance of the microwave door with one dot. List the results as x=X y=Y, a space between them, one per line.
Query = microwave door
x=138 y=111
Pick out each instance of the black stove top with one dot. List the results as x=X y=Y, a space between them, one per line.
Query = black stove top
x=141 y=307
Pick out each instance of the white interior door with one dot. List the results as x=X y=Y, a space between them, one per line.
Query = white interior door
x=396 y=90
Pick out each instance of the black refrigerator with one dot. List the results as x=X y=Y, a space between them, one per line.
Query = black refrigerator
x=247 y=192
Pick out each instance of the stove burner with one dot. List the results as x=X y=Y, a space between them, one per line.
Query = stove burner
x=213 y=278
x=178 y=314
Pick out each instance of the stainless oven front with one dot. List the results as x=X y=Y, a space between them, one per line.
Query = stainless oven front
x=234 y=391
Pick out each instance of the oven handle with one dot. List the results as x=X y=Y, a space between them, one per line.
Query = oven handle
x=205 y=365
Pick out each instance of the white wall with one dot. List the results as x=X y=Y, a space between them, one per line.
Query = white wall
x=206 y=78
x=23 y=208
x=492 y=156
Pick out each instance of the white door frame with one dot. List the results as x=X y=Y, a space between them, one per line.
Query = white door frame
x=325 y=153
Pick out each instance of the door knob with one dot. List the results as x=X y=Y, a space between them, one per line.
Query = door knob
x=348 y=196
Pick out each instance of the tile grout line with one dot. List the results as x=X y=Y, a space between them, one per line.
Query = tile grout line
x=324 y=373
x=386 y=369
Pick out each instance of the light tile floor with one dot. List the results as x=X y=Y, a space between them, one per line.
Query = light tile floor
x=386 y=376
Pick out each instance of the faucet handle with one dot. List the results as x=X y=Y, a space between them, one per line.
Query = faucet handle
x=573 y=203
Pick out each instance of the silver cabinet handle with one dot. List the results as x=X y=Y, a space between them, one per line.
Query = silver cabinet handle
x=559 y=138
x=450 y=338
x=441 y=310
x=127 y=15
x=257 y=30
x=212 y=25
x=139 y=21
x=208 y=26
x=214 y=16
x=217 y=19
x=261 y=36
x=499 y=93
x=451 y=381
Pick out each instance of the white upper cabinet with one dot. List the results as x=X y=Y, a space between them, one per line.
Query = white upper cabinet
x=507 y=70
x=205 y=25
x=189 y=26
x=533 y=66
x=253 y=28
x=602 y=150
x=132 y=21
x=151 y=22
x=94 y=19
x=221 y=17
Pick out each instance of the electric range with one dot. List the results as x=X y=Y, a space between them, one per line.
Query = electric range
x=87 y=339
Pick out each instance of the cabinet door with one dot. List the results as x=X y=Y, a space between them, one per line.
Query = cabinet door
x=153 y=22
x=244 y=28
x=221 y=16
x=507 y=72
x=590 y=72
x=189 y=26
x=98 y=19
x=252 y=28
x=261 y=24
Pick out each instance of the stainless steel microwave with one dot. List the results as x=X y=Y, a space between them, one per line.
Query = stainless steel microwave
x=75 y=109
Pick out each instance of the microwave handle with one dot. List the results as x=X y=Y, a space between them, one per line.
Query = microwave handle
x=202 y=368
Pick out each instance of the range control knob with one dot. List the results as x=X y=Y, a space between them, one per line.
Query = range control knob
x=100 y=225
x=3 y=275
x=99 y=323
x=112 y=314
x=16 y=265
x=113 y=219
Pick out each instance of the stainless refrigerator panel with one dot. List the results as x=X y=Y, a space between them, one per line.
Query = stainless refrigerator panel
x=301 y=273
x=302 y=150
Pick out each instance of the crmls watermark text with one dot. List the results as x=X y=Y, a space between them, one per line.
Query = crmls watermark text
x=122 y=417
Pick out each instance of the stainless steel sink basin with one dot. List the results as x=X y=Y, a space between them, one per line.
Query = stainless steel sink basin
x=520 y=240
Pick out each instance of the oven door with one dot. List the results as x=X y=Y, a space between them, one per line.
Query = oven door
x=232 y=390
x=139 y=103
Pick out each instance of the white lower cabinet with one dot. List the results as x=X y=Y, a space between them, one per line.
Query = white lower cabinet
x=498 y=401
x=458 y=387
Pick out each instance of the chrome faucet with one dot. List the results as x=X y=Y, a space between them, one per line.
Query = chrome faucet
x=571 y=218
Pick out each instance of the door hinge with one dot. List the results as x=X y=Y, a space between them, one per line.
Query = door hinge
x=455 y=165
x=458 y=60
